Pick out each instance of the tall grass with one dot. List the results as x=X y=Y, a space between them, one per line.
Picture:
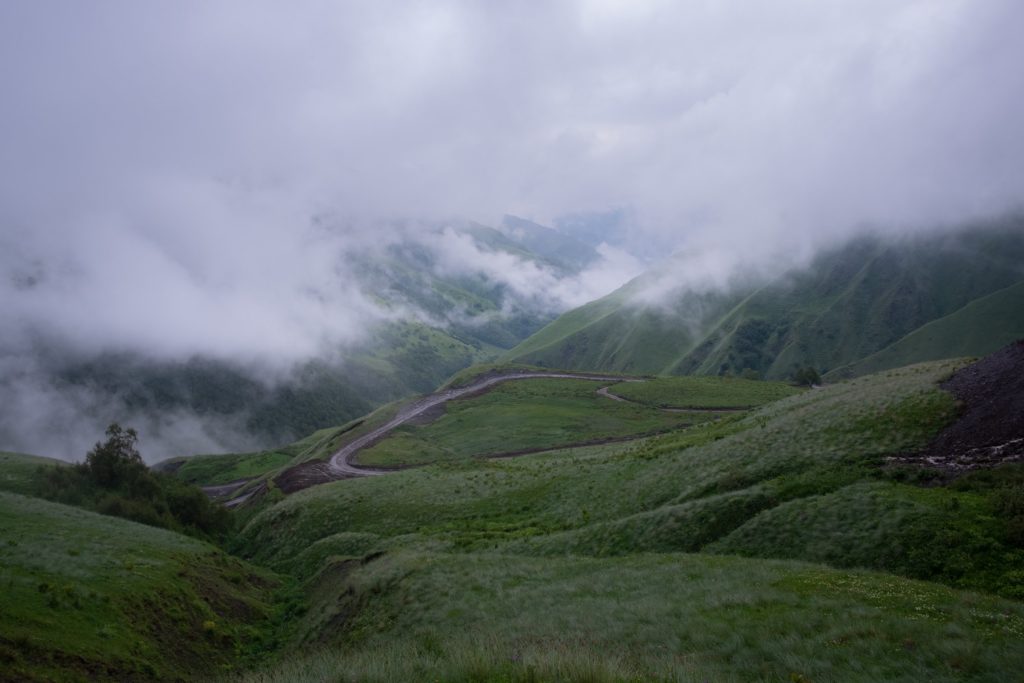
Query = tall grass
x=481 y=617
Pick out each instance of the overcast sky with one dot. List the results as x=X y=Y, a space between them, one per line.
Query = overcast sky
x=162 y=159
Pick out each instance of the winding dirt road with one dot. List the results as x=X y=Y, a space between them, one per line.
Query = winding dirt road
x=603 y=391
x=340 y=465
x=341 y=462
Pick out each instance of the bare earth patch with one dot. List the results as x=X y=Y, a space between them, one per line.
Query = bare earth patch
x=990 y=428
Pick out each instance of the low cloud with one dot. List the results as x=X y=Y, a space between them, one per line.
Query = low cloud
x=165 y=164
x=531 y=281
x=166 y=301
x=759 y=123
x=63 y=420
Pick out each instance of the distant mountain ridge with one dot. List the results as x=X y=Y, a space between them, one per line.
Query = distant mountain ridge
x=557 y=247
x=848 y=304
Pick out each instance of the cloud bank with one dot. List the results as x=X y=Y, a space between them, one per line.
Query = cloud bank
x=165 y=162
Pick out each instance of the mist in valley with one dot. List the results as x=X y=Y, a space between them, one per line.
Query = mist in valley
x=274 y=195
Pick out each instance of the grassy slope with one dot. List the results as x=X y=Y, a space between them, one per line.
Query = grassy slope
x=568 y=565
x=723 y=482
x=840 y=430
x=704 y=392
x=18 y=470
x=90 y=597
x=569 y=324
x=485 y=616
x=980 y=327
x=206 y=470
x=846 y=305
x=525 y=414
x=857 y=300
x=613 y=334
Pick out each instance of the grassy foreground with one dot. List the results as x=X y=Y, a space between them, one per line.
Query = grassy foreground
x=775 y=544
x=88 y=597
x=483 y=617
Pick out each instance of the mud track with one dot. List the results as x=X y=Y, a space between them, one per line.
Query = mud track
x=341 y=464
x=604 y=391
x=425 y=409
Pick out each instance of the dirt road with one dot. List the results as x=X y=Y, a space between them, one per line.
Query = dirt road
x=341 y=462
x=603 y=391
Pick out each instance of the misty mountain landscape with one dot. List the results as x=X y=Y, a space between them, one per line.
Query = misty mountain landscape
x=583 y=341
x=432 y=300
x=851 y=307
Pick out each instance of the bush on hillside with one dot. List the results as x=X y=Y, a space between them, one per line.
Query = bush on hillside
x=114 y=481
x=806 y=377
x=1004 y=485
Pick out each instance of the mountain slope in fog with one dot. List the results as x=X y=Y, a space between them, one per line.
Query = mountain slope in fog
x=846 y=305
x=442 y=305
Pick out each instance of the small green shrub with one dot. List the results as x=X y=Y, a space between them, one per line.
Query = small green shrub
x=114 y=481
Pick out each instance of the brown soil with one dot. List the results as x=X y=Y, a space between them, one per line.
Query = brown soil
x=429 y=415
x=990 y=428
x=315 y=472
x=218 y=490
x=305 y=475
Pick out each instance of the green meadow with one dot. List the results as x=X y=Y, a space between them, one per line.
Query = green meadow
x=670 y=617
x=88 y=597
x=522 y=415
x=18 y=471
x=734 y=549
x=778 y=543
x=704 y=392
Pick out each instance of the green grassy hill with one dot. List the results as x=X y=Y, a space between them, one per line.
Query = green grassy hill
x=980 y=327
x=88 y=597
x=490 y=616
x=777 y=543
x=590 y=500
x=606 y=562
x=521 y=416
x=18 y=471
x=846 y=305
x=514 y=417
x=728 y=393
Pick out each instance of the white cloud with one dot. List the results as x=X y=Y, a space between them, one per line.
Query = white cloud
x=530 y=280
x=163 y=160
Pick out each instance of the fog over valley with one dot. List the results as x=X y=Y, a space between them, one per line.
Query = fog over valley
x=228 y=224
